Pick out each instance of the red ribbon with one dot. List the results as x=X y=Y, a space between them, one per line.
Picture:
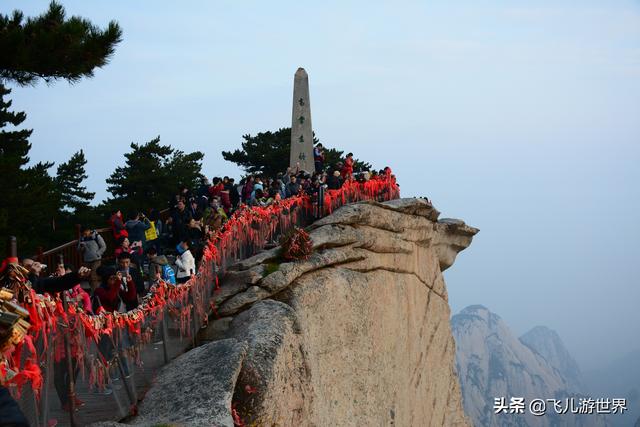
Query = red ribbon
x=246 y=226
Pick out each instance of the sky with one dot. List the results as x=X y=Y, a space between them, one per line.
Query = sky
x=520 y=117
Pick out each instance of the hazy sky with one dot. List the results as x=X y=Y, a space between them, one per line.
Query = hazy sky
x=521 y=117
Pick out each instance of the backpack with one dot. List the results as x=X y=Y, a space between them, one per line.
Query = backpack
x=168 y=275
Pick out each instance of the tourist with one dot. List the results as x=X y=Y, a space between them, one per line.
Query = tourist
x=185 y=193
x=136 y=225
x=131 y=278
x=117 y=225
x=194 y=209
x=347 y=168
x=116 y=294
x=203 y=188
x=318 y=158
x=156 y=230
x=195 y=233
x=257 y=185
x=159 y=268
x=247 y=189
x=173 y=203
x=334 y=181
x=180 y=218
x=292 y=188
x=185 y=262
x=214 y=216
x=133 y=250
x=92 y=246
x=216 y=187
x=52 y=284
x=234 y=194
x=225 y=201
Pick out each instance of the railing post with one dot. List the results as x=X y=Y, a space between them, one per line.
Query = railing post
x=194 y=320
x=127 y=388
x=165 y=336
x=67 y=349
x=47 y=384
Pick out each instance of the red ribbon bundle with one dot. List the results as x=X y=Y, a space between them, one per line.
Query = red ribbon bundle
x=248 y=226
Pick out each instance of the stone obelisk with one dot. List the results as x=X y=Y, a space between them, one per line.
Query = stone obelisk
x=301 y=131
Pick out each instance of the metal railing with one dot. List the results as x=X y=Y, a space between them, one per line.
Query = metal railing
x=111 y=372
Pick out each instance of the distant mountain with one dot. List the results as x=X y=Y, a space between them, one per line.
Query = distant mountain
x=620 y=379
x=547 y=343
x=493 y=363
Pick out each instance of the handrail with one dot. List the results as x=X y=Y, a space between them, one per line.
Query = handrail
x=68 y=244
x=188 y=305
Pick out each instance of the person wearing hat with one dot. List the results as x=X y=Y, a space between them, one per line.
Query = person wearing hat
x=334 y=181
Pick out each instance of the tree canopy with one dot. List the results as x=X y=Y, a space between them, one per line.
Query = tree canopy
x=37 y=208
x=268 y=153
x=29 y=196
x=52 y=47
x=69 y=178
x=152 y=174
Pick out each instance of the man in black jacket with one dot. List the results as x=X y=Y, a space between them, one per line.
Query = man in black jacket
x=180 y=219
x=53 y=284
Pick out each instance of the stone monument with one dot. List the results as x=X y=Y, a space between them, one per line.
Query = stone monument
x=301 y=131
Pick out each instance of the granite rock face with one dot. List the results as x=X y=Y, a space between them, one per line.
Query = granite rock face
x=196 y=388
x=358 y=334
x=364 y=334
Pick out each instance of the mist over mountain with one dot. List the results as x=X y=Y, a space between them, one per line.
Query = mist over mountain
x=493 y=363
x=547 y=343
x=619 y=378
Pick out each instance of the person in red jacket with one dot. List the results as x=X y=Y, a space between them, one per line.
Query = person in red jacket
x=117 y=289
x=117 y=225
x=225 y=201
x=112 y=294
x=247 y=189
x=216 y=188
x=347 y=168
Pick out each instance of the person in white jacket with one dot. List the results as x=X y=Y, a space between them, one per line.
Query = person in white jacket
x=185 y=262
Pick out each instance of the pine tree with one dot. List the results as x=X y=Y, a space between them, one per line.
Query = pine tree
x=30 y=200
x=268 y=153
x=69 y=177
x=52 y=47
x=151 y=175
x=48 y=47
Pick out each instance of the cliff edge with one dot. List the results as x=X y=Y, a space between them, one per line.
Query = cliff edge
x=358 y=334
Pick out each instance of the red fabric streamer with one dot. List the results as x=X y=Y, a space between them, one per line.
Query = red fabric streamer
x=247 y=228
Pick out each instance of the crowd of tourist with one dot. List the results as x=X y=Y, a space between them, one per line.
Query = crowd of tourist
x=167 y=244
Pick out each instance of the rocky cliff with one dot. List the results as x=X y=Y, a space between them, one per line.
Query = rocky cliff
x=358 y=334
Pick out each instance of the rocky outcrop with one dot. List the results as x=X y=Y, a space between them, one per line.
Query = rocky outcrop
x=358 y=334
x=493 y=363
x=178 y=397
